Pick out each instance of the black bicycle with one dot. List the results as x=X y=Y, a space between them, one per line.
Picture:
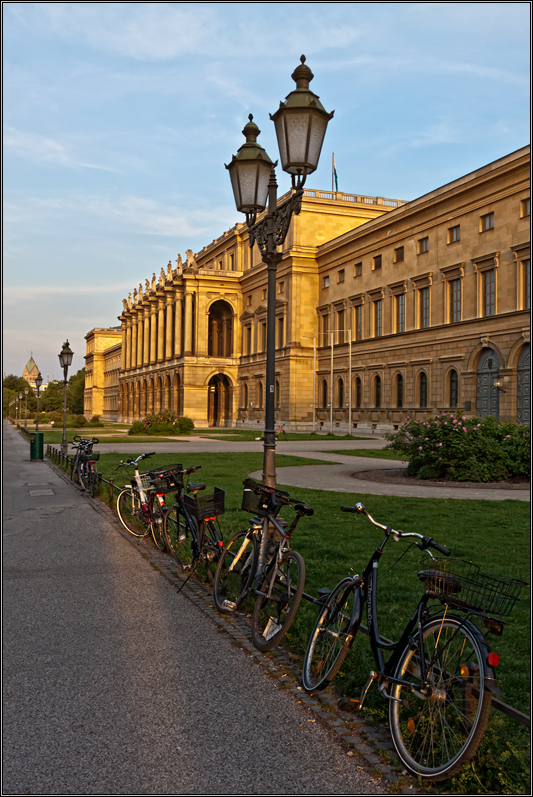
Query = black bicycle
x=191 y=527
x=440 y=677
x=83 y=469
x=258 y=562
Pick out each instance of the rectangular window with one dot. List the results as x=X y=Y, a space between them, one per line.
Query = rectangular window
x=250 y=299
x=359 y=322
x=340 y=326
x=248 y=340
x=424 y=308
x=263 y=293
x=376 y=261
x=423 y=245
x=220 y=264
x=358 y=269
x=454 y=234
x=281 y=342
x=232 y=262
x=455 y=300
x=526 y=265
x=325 y=330
x=487 y=222
x=263 y=337
x=340 y=275
x=378 y=318
x=400 y=313
x=281 y=287
x=489 y=292
x=326 y=282
x=398 y=254
x=525 y=207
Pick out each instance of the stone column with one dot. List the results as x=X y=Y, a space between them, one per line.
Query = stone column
x=168 y=341
x=128 y=343
x=153 y=338
x=188 y=323
x=139 y=338
x=161 y=332
x=177 y=325
x=146 y=353
x=123 y=348
x=134 y=341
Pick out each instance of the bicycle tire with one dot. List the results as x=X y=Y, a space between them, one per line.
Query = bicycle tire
x=332 y=637
x=231 y=586
x=92 y=482
x=74 y=474
x=83 y=475
x=180 y=538
x=158 y=519
x=211 y=550
x=434 y=737
x=273 y=614
x=130 y=513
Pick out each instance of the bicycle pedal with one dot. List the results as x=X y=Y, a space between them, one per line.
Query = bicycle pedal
x=229 y=605
x=349 y=704
x=186 y=568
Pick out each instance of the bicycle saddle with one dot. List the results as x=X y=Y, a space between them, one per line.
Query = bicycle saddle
x=303 y=509
x=193 y=488
x=439 y=582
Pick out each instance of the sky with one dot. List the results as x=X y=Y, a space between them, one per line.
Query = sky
x=119 y=117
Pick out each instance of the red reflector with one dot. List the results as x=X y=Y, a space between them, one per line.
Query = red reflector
x=493 y=659
x=220 y=544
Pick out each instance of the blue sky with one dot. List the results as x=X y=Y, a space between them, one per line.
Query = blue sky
x=119 y=117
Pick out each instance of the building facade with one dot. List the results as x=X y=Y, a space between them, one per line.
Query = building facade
x=102 y=368
x=384 y=309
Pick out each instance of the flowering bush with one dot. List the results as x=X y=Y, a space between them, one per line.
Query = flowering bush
x=454 y=447
x=164 y=422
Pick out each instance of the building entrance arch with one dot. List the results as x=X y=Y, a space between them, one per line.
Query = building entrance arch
x=219 y=395
x=488 y=397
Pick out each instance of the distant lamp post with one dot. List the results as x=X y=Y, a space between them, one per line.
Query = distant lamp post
x=38 y=383
x=300 y=123
x=26 y=391
x=20 y=408
x=65 y=360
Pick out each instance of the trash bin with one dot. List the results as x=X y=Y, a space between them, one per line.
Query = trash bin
x=36 y=445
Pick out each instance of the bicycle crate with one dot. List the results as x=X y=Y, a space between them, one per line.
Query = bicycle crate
x=94 y=456
x=204 y=507
x=260 y=504
x=460 y=584
x=166 y=480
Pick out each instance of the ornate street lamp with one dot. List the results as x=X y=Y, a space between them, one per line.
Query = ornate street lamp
x=65 y=360
x=20 y=409
x=38 y=383
x=300 y=123
x=26 y=391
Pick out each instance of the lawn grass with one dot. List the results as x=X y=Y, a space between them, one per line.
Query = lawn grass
x=377 y=453
x=253 y=434
x=493 y=534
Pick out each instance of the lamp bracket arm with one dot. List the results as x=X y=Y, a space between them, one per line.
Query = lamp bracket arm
x=282 y=219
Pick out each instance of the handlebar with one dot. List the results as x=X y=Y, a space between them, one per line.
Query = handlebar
x=426 y=542
x=131 y=461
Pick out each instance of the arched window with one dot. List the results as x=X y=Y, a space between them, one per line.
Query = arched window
x=399 y=390
x=423 y=390
x=340 y=392
x=324 y=393
x=277 y=396
x=377 y=391
x=454 y=388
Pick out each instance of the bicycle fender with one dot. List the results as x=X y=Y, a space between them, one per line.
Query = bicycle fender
x=490 y=676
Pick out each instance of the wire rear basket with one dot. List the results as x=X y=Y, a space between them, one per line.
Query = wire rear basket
x=206 y=507
x=460 y=584
x=167 y=480
x=260 y=504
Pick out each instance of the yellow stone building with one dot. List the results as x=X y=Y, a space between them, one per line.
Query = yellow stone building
x=384 y=309
x=102 y=368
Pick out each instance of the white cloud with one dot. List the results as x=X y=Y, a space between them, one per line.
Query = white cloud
x=40 y=149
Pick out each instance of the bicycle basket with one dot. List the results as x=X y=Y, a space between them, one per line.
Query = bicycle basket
x=460 y=584
x=167 y=480
x=259 y=504
x=92 y=456
x=204 y=507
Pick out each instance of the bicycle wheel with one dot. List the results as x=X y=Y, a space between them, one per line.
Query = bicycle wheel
x=92 y=481
x=235 y=571
x=75 y=473
x=84 y=475
x=130 y=513
x=275 y=610
x=180 y=538
x=435 y=735
x=211 y=550
x=331 y=638
x=158 y=533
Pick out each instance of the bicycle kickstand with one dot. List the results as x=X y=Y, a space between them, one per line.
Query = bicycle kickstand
x=354 y=703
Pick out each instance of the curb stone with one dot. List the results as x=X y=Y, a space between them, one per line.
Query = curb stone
x=346 y=729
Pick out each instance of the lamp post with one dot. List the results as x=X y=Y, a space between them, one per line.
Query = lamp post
x=300 y=124
x=65 y=359
x=26 y=391
x=20 y=409
x=38 y=383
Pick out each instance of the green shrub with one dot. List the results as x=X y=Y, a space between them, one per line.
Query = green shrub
x=136 y=428
x=95 y=421
x=454 y=447
x=186 y=425
x=165 y=422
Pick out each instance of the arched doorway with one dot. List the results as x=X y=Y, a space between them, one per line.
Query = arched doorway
x=219 y=400
x=523 y=388
x=488 y=398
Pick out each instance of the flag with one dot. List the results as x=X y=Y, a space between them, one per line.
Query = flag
x=334 y=175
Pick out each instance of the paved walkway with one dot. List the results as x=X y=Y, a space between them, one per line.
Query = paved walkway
x=115 y=683
x=338 y=477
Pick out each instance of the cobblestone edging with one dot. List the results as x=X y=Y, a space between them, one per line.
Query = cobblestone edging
x=353 y=733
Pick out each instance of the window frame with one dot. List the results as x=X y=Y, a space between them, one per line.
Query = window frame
x=486 y=222
x=424 y=307
x=400 y=313
x=422 y=245
x=488 y=292
x=452 y=238
x=378 y=318
x=377 y=262
x=456 y=302
x=400 y=250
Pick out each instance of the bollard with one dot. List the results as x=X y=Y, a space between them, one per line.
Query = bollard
x=111 y=489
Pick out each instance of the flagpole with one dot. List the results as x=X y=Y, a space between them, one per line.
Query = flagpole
x=332 y=170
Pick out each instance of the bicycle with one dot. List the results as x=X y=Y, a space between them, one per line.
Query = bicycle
x=280 y=430
x=259 y=562
x=440 y=675
x=141 y=504
x=83 y=471
x=191 y=529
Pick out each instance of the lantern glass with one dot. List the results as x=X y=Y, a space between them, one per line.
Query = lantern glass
x=38 y=381
x=66 y=355
x=249 y=180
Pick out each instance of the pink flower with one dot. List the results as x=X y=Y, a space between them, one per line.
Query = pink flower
x=464 y=417
x=440 y=458
x=455 y=420
x=420 y=448
x=464 y=428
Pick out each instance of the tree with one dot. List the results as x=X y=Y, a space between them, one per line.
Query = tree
x=11 y=387
x=75 y=389
x=52 y=397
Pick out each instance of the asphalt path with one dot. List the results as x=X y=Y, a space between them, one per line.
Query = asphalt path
x=113 y=683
